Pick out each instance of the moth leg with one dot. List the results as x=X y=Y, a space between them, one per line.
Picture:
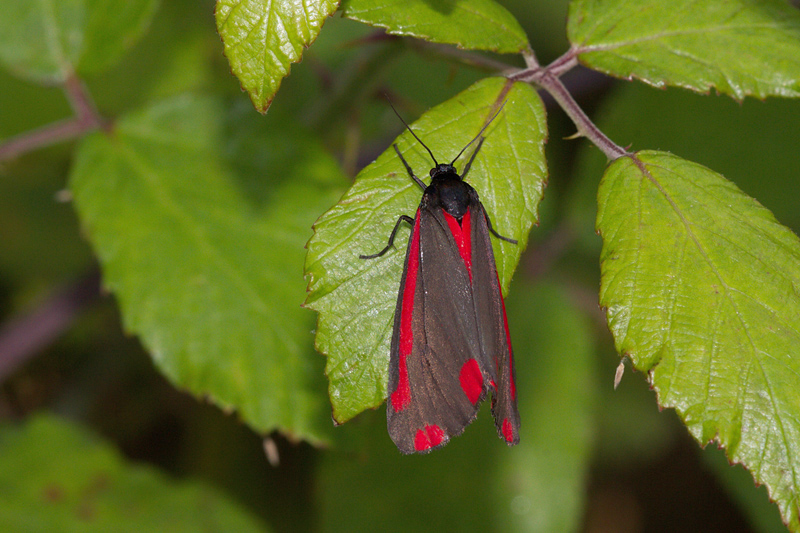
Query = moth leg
x=491 y=229
x=391 y=237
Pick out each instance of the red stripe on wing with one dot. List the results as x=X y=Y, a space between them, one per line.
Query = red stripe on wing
x=508 y=340
x=401 y=396
x=463 y=237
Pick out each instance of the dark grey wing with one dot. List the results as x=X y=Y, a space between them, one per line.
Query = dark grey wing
x=494 y=338
x=446 y=372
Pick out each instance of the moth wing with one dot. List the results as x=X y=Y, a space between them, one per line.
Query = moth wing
x=435 y=390
x=494 y=337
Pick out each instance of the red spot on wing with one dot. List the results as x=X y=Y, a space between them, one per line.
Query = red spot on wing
x=427 y=438
x=471 y=380
x=508 y=431
x=462 y=233
x=401 y=396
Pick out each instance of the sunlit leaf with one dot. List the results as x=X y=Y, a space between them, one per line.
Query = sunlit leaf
x=263 y=38
x=702 y=290
x=738 y=47
x=472 y=24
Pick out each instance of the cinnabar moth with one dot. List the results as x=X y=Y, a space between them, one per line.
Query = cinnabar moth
x=450 y=344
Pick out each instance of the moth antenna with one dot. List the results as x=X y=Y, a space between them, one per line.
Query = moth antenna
x=478 y=135
x=436 y=163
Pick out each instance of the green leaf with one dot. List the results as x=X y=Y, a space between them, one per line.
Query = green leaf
x=738 y=47
x=263 y=38
x=356 y=297
x=473 y=24
x=46 y=41
x=702 y=290
x=201 y=240
x=58 y=477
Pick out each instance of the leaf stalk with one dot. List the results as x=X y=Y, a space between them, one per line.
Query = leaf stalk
x=548 y=78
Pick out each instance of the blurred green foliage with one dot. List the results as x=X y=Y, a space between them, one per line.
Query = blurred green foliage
x=592 y=459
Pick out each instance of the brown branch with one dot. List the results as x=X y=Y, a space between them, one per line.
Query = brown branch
x=548 y=79
x=23 y=337
x=86 y=119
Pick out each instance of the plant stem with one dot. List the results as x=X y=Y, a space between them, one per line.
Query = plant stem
x=81 y=101
x=585 y=126
x=23 y=337
x=86 y=119
x=548 y=79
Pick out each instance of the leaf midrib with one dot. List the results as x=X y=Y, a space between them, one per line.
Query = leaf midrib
x=732 y=302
